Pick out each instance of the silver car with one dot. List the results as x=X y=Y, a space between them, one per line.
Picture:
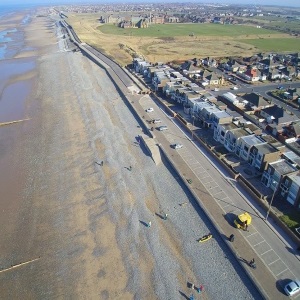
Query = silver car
x=177 y=146
x=292 y=287
x=163 y=127
x=155 y=121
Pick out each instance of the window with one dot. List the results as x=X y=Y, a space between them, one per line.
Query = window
x=246 y=148
x=222 y=133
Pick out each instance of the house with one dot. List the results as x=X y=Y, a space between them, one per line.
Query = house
x=290 y=189
x=206 y=115
x=190 y=67
x=262 y=154
x=245 y=143
x=294 y=93
x=211 y=79
x=170 y=88
x=275 y=74
x=251 y=74
x=232 y=66
x=292 y=158
x=160 y=79
x=277 y=115
x=256 y=101
x=220 y=117
x=140 y=65
x=273 y=175
x=229 y=134
x=231 y=98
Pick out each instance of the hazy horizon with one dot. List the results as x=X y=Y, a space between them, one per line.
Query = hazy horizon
x=293 y=3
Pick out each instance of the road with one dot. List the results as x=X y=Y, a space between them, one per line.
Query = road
x=262 y=89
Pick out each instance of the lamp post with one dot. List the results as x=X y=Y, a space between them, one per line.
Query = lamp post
x=270 y=204
x=193 y=118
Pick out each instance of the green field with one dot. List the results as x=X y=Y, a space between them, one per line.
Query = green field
x=276 y=45
x=172 y=30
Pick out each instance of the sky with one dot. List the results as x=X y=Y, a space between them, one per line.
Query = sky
x=295 y=3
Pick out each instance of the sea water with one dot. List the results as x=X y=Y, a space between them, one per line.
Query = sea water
x=12 y=39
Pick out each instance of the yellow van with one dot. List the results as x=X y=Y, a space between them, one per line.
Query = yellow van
x=243 y=221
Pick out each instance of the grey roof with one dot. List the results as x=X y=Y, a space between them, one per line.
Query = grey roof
x=240 y=132
x=222 y=114
x=265 y=148
x=292 y=156
x=283 y=167
x=280 y=116
x=255 y=99
x=252 y=140
x=295 y=178
x=229 y=126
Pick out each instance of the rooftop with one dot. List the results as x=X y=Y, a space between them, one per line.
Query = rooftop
x=295 y=178
x=283 y=167
x=266 y=148
x=252 y=140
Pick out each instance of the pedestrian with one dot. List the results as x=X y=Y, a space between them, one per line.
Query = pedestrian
x=166 y=216
x=130 y=168
x=231 y=238
x=192 y=286
x=101 y=164
x=198 y=289
x=149 y=224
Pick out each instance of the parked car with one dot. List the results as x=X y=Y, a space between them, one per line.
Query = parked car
x=150 y=109
x=234 y=88
x=216 y=89
x=177 y=146
x=163 y=127
x=155 y=121
x=292 y=287
x=280 y=87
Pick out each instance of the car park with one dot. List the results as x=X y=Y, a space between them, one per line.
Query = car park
x=177 y=146
x=150 y=109
x=292 y=288
x=163 y=127
x=155 y=121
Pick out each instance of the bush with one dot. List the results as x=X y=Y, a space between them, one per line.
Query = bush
x=291 y=220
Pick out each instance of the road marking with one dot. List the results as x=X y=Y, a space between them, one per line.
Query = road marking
x=274 y=261
x=259 y=243
x=267 y=252
x=252 y=234
x=282 y=271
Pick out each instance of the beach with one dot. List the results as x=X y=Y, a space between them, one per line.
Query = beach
x=73 y=228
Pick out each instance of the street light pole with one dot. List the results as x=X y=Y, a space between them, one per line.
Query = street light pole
x=193 y=117
x=270 y=204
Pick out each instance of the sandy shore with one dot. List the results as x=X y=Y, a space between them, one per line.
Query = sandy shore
x=74 y=229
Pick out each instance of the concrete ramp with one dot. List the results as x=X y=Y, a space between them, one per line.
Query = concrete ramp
x=152 y=148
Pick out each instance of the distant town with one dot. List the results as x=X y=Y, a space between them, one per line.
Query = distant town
x=141 y=15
